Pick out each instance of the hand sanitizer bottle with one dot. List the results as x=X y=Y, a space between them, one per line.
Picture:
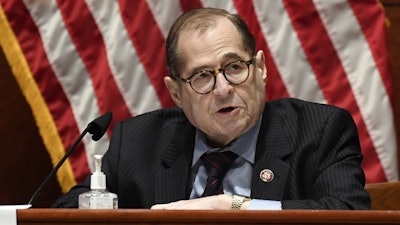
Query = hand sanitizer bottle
x=98 y=197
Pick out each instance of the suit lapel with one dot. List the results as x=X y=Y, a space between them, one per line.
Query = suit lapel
x=272 y=147
x=172 y=179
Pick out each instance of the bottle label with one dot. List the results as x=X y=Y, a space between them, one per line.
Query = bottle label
x=101 y=203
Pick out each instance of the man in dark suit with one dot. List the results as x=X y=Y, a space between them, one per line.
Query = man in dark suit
x=287 y=154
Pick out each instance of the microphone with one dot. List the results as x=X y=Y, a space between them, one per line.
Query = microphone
x=97 y=128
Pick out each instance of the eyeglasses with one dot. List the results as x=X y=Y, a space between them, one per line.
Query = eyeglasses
x=203 y=82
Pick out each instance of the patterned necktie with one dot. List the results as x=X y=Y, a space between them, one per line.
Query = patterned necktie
x=217 y=164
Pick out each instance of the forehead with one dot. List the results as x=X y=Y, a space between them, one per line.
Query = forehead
x=211 y=45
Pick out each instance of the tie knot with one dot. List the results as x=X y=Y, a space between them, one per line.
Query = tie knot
x=218 y=163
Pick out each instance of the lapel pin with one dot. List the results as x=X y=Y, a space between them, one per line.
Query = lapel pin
x=266 y=175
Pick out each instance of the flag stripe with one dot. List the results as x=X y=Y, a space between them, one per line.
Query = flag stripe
x=95 y=59
x=59 y=50
x=367 y=14
x=127 y=70
x=138 y=18
x=57 y=102
x=187 y=5
x=275 y=87
x=287 y=52
x=99 y=94
x=227 y=5
x=314 y=54
x=339 y=92
x=369 y=91
x=165 y=13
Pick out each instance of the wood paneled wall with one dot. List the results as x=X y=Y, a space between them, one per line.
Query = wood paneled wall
x=24 y=161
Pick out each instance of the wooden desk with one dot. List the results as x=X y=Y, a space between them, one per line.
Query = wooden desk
x=385 y=195
x=131 y=216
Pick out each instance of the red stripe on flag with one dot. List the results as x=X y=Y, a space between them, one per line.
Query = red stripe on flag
x=372 y=21
x=84 y=32
x=31 y=44
x=149 y=44
x=327 y=67
x=187 y=5
x=275 y=87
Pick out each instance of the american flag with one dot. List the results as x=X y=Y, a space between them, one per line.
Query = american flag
x=75 y=60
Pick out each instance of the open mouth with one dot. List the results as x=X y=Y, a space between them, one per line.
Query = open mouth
x=227 y=109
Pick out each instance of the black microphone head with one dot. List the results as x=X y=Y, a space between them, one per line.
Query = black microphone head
x=99 y=126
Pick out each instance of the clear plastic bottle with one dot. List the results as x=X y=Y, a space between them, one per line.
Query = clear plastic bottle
x=98 y=197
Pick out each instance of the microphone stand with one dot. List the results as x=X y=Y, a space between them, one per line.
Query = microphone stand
x=70 y=150
x=97 y=128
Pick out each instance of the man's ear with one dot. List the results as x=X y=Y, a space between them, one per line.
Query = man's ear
x=260 y=59
x=173 y=89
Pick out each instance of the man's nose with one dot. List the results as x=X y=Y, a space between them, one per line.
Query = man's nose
x=222 y=86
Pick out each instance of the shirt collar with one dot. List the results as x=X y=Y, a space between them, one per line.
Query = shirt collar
x=244 y=146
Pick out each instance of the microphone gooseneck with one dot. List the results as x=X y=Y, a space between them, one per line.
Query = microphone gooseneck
x=97 y=128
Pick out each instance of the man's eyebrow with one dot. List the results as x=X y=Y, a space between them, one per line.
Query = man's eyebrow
x=198 y=69
x=231 y=56
x=225 y=58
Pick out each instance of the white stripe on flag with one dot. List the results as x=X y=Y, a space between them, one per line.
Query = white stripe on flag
x=60 y=51
x=222 y=4
x=165 y=13
x=364 y=78
x=127 y=70
x=287 y=51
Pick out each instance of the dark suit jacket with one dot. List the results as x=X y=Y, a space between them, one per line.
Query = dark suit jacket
x=312 y=149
